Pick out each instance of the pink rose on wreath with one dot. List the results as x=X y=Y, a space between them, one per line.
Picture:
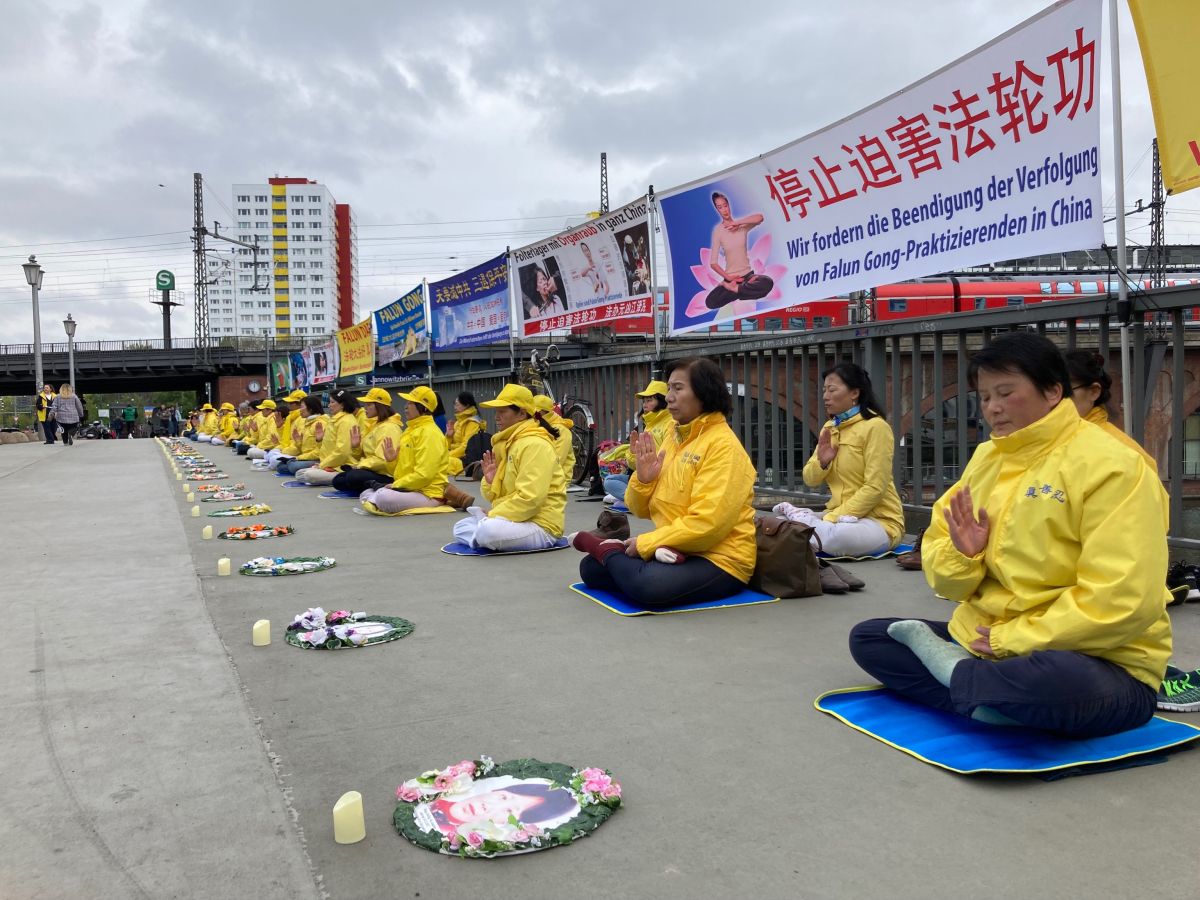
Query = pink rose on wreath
x=475 y=839
x=532 y=830
x=610 y=791
x=339 y=614
x=591 y=774
x=597 y=785
x=443 y=781
x=454 y=842
x=408 y=793
x=466 y=767
x=521 y=835
x=759 y=252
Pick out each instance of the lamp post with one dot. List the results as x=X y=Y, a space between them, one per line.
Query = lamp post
x=33 y=274
x=69 y=325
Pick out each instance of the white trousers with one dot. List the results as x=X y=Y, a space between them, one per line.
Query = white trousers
x=220 y=442
x=315 y=475
x=391 y=501
x=846 y=537
x=274 y=456
x=256 y=453
x=203 y=438
x=477 y=529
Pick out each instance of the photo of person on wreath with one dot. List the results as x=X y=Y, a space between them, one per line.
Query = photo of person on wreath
x=739 y=281
x=541 y=289
x=533 y=801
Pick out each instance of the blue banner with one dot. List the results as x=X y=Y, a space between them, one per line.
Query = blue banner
x=471 y=308
x=398 y=320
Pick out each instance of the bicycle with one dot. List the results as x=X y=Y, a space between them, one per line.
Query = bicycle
x=583 y=433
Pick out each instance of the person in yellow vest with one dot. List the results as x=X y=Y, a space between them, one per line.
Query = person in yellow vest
x=522 y=479
x=337 y=451
x=420 y=463
x=563 y=445
x=311 y=427
x=208 y=424
x=267 y=435
x=854 y=458
x=226 y=425
x=465 y=426
x=1051 y=545
x=370 y=469
x=248 y=425
x=656 y=422
x=290 y=433
x=698 y=491
x=43 y=402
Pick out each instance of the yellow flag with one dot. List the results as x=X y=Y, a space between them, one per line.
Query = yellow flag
x=1169 y=34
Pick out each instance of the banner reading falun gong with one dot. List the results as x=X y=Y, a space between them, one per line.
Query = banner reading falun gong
x=356 y=349
x=400 y=328
x=593 y=273
x=1169 y=34
x=993 y=157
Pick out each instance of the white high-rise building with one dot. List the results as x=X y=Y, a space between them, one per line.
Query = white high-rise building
x=306 y=282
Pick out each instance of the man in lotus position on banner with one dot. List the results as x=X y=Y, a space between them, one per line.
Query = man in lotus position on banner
x=738 y=279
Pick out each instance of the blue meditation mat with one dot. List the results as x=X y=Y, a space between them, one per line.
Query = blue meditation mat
x=457 y=549
x=619 y=507
x=299 y=483
x=623 y=606
x=337 y=495
x=895 y=551
x=968 y=747
x=284 y=475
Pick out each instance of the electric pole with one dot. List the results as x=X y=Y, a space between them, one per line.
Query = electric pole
x=603 y=183
x=201 y=270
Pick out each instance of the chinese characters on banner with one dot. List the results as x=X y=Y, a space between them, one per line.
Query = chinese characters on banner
x=400 y=329
x=471 y=307
x=324 y=363
x=594 y=273
x=994 y=157
x=356 y=348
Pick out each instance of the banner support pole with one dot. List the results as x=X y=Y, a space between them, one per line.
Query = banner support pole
x=428 y=331
x=512 y=319
x=1114 y=56
x=651 y=208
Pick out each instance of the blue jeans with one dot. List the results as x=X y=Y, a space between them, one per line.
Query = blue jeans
x=49 y=428
x=296 y=465
x=654 y=584
x=1060 y=691
x=616 y=485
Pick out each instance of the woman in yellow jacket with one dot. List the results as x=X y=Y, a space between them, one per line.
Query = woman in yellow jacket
x=656 y=422
x=1052 y=546
x=522 y=479
x=267 y=434
x=697 y=490
x=564 y=447
x=227 y=424
x=337 y=450
x=420 y=463
x=208 y=424
x=854 y=458
x=370 y=468
x=465 y=426
x=311 y=426
x=290 y=432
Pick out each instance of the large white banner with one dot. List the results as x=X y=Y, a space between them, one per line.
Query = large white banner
x=596 y=272
x=992 y=158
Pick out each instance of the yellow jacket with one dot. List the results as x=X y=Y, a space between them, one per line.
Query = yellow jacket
x=268 y=435
x=208 y=424
x=1076 y=551
x=47 y=399
x=564 y=447
x=335 y=446
x=309 y=446
x=228 y=425
x=1097 y=415
x=860 y=476
x=529 y=485
x=288 y=444
x=660 y=425
x=423 y=462
x=701 y=502
x=371 y=448
x=247 y=428
x=467 y=424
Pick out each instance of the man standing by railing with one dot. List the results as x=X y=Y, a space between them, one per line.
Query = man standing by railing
x=44 y=416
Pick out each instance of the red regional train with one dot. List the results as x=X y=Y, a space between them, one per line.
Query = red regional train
x=911 y=300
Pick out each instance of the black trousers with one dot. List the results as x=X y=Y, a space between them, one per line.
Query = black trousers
x=654 y=584
x=355 y=481
x=755 y=287
x=69 y=432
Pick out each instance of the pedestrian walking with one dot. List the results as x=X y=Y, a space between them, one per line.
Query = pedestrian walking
x=45 y=419
x=68 y=411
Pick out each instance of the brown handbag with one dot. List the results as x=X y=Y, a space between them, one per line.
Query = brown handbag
x=787 y=564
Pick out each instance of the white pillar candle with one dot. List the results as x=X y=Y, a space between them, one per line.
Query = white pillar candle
x=349 y=827
x=260 y=636
x=223 y=567
x=191 y=498
x=206 y=534
x=195 y=512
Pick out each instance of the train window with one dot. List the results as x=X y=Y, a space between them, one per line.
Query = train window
x=1045 y=288
x=749 y=324
x=1016 y=301
x=897 y=306
x=981 y=302
x=1065 y=287
x=822 y=321
x=773 y=324
x=1089 y=287
x=797 y=323
x=725 y=326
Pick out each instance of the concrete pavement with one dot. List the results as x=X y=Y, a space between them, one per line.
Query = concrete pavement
x=152 y=752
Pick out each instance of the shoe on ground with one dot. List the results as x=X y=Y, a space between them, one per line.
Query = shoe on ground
x=851 y=581
x=1180 y=693
x=1181 y=574
x=831 y=583
x=613 y=525
x=911 y=561
x=609 y=499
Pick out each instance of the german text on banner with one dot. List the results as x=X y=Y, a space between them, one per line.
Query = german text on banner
x=1169 y=34
x=324 y=363
x=471 y=307
x=994 y=157
x=400 y=329
x=356 y=349
x=593 y=273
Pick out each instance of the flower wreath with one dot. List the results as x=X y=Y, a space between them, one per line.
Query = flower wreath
x=202 y=476
x=254 y=509
x=315 y=628
x=594 y=790
x=283 y=565
x=214 y=488
x=226 y=495
x=257 y=531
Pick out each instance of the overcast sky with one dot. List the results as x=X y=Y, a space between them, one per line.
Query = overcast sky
x=452 y=129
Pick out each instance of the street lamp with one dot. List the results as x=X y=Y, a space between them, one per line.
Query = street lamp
x=69 y=325
x=33 y=274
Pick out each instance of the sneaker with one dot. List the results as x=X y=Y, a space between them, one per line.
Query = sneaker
x=1180 y=693
x=609 y=499
x=1180 y=574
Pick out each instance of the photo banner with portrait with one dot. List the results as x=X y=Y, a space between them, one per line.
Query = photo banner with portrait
x=356 y=349
x=400 y=328
x=281 y=376
x=301 y=374
x=596 y=272
x=471 y=307
x=994 y=157
x=324 y=363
